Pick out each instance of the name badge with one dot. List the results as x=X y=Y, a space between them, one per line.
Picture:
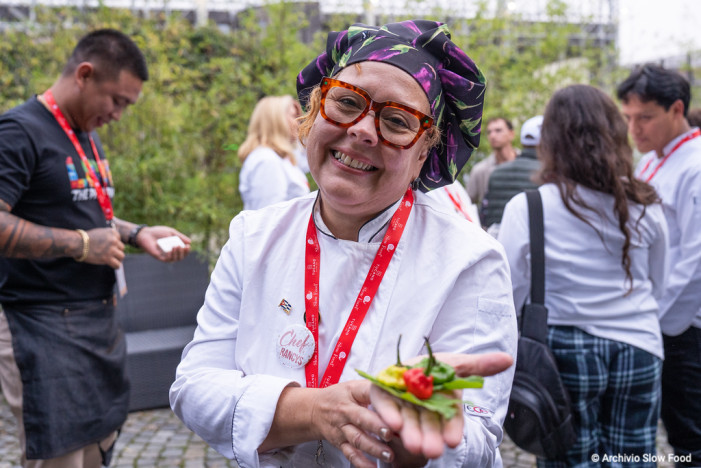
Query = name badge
x=295 y=346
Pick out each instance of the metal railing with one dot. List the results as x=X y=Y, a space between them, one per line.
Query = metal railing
x=598 y=11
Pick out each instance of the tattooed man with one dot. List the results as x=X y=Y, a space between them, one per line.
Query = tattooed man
x=62 y=354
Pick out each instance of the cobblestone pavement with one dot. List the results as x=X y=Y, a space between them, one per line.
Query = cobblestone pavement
x=157 y=439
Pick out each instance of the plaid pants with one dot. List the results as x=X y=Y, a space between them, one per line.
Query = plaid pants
x=615 y=392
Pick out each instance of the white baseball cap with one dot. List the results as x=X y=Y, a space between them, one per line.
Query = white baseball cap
x=530 y=131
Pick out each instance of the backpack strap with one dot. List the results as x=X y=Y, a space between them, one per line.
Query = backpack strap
x=534 y=316
x=535 y=226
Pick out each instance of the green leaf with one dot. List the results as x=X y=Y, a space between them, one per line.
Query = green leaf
x=474 y=381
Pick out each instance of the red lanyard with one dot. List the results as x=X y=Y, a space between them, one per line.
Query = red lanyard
x=102 y=197
x=691 y=136
x=457 y=204
x=362 y=303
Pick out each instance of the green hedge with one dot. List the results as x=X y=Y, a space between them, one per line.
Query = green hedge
x=173 y=154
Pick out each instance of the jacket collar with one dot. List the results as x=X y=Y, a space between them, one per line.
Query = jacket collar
x=371 y=231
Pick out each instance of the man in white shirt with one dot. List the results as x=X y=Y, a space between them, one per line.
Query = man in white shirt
x=655 y=102
x=500 y=134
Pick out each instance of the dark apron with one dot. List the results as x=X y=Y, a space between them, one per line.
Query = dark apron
x=71 y=358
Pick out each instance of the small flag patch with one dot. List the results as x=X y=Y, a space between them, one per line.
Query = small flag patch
x=285 y=306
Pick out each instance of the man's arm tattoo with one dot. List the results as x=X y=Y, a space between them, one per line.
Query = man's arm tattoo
x=123 y=228
x=21 y=239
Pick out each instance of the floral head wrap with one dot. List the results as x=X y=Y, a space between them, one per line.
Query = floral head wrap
x=451 y=80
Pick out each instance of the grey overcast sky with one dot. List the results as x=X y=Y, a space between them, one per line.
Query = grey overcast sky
x=654 y=29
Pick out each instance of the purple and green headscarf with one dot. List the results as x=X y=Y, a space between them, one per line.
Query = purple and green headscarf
x=451 y=80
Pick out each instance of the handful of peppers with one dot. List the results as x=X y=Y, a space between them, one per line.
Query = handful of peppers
x=423 y=384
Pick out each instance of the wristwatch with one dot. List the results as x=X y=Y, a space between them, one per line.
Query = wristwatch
x=131 y=240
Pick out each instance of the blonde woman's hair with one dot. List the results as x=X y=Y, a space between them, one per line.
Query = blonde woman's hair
x=269 y=127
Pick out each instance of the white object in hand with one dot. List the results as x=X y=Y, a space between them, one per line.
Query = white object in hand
x=167 y=243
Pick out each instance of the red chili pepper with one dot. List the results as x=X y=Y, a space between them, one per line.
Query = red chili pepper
x=419 y=384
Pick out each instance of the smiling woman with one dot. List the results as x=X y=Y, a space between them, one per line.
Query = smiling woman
x=361 y=171
x=368 y=257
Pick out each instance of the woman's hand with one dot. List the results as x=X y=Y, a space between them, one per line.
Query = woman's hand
x=338 y=414
x=343 y=418
x=422 y=433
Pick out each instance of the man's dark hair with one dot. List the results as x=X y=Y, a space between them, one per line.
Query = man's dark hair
x=112 y=51
x=508 y=123
x=654 y=83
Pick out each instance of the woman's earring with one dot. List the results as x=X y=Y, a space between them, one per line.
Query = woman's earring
x=415 y=183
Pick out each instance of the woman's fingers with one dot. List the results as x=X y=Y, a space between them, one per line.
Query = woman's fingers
x=477 y=364
x=472 y=364
x=356 y=456
x=432 y=443
x=363 y=443
x=411 y=434
x=452 y=428
x=388 y=408
x=349 y=425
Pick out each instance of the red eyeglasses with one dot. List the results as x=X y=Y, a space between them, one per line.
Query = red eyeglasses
x=397 y=125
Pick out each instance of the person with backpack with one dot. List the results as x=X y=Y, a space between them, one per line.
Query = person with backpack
x=605 y=269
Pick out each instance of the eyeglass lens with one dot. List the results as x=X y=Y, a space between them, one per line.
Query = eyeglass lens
x=396 y=125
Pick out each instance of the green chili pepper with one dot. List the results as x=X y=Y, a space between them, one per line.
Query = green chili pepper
x=440 y=371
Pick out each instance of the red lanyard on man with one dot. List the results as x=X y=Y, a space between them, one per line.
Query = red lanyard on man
x=362 y=303
x=691 y=136
x=102 y=197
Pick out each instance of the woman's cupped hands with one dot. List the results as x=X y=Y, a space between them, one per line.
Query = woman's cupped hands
x=363 y=420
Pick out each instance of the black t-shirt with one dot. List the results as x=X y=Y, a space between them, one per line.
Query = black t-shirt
x=42 y=179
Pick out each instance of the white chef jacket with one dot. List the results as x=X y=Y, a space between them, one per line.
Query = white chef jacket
x=678 y=183
x=585 y=284
x=266 y=178
x=447 y=279
x=454 y=196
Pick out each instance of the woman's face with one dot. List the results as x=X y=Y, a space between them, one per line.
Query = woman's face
x=357 y=174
